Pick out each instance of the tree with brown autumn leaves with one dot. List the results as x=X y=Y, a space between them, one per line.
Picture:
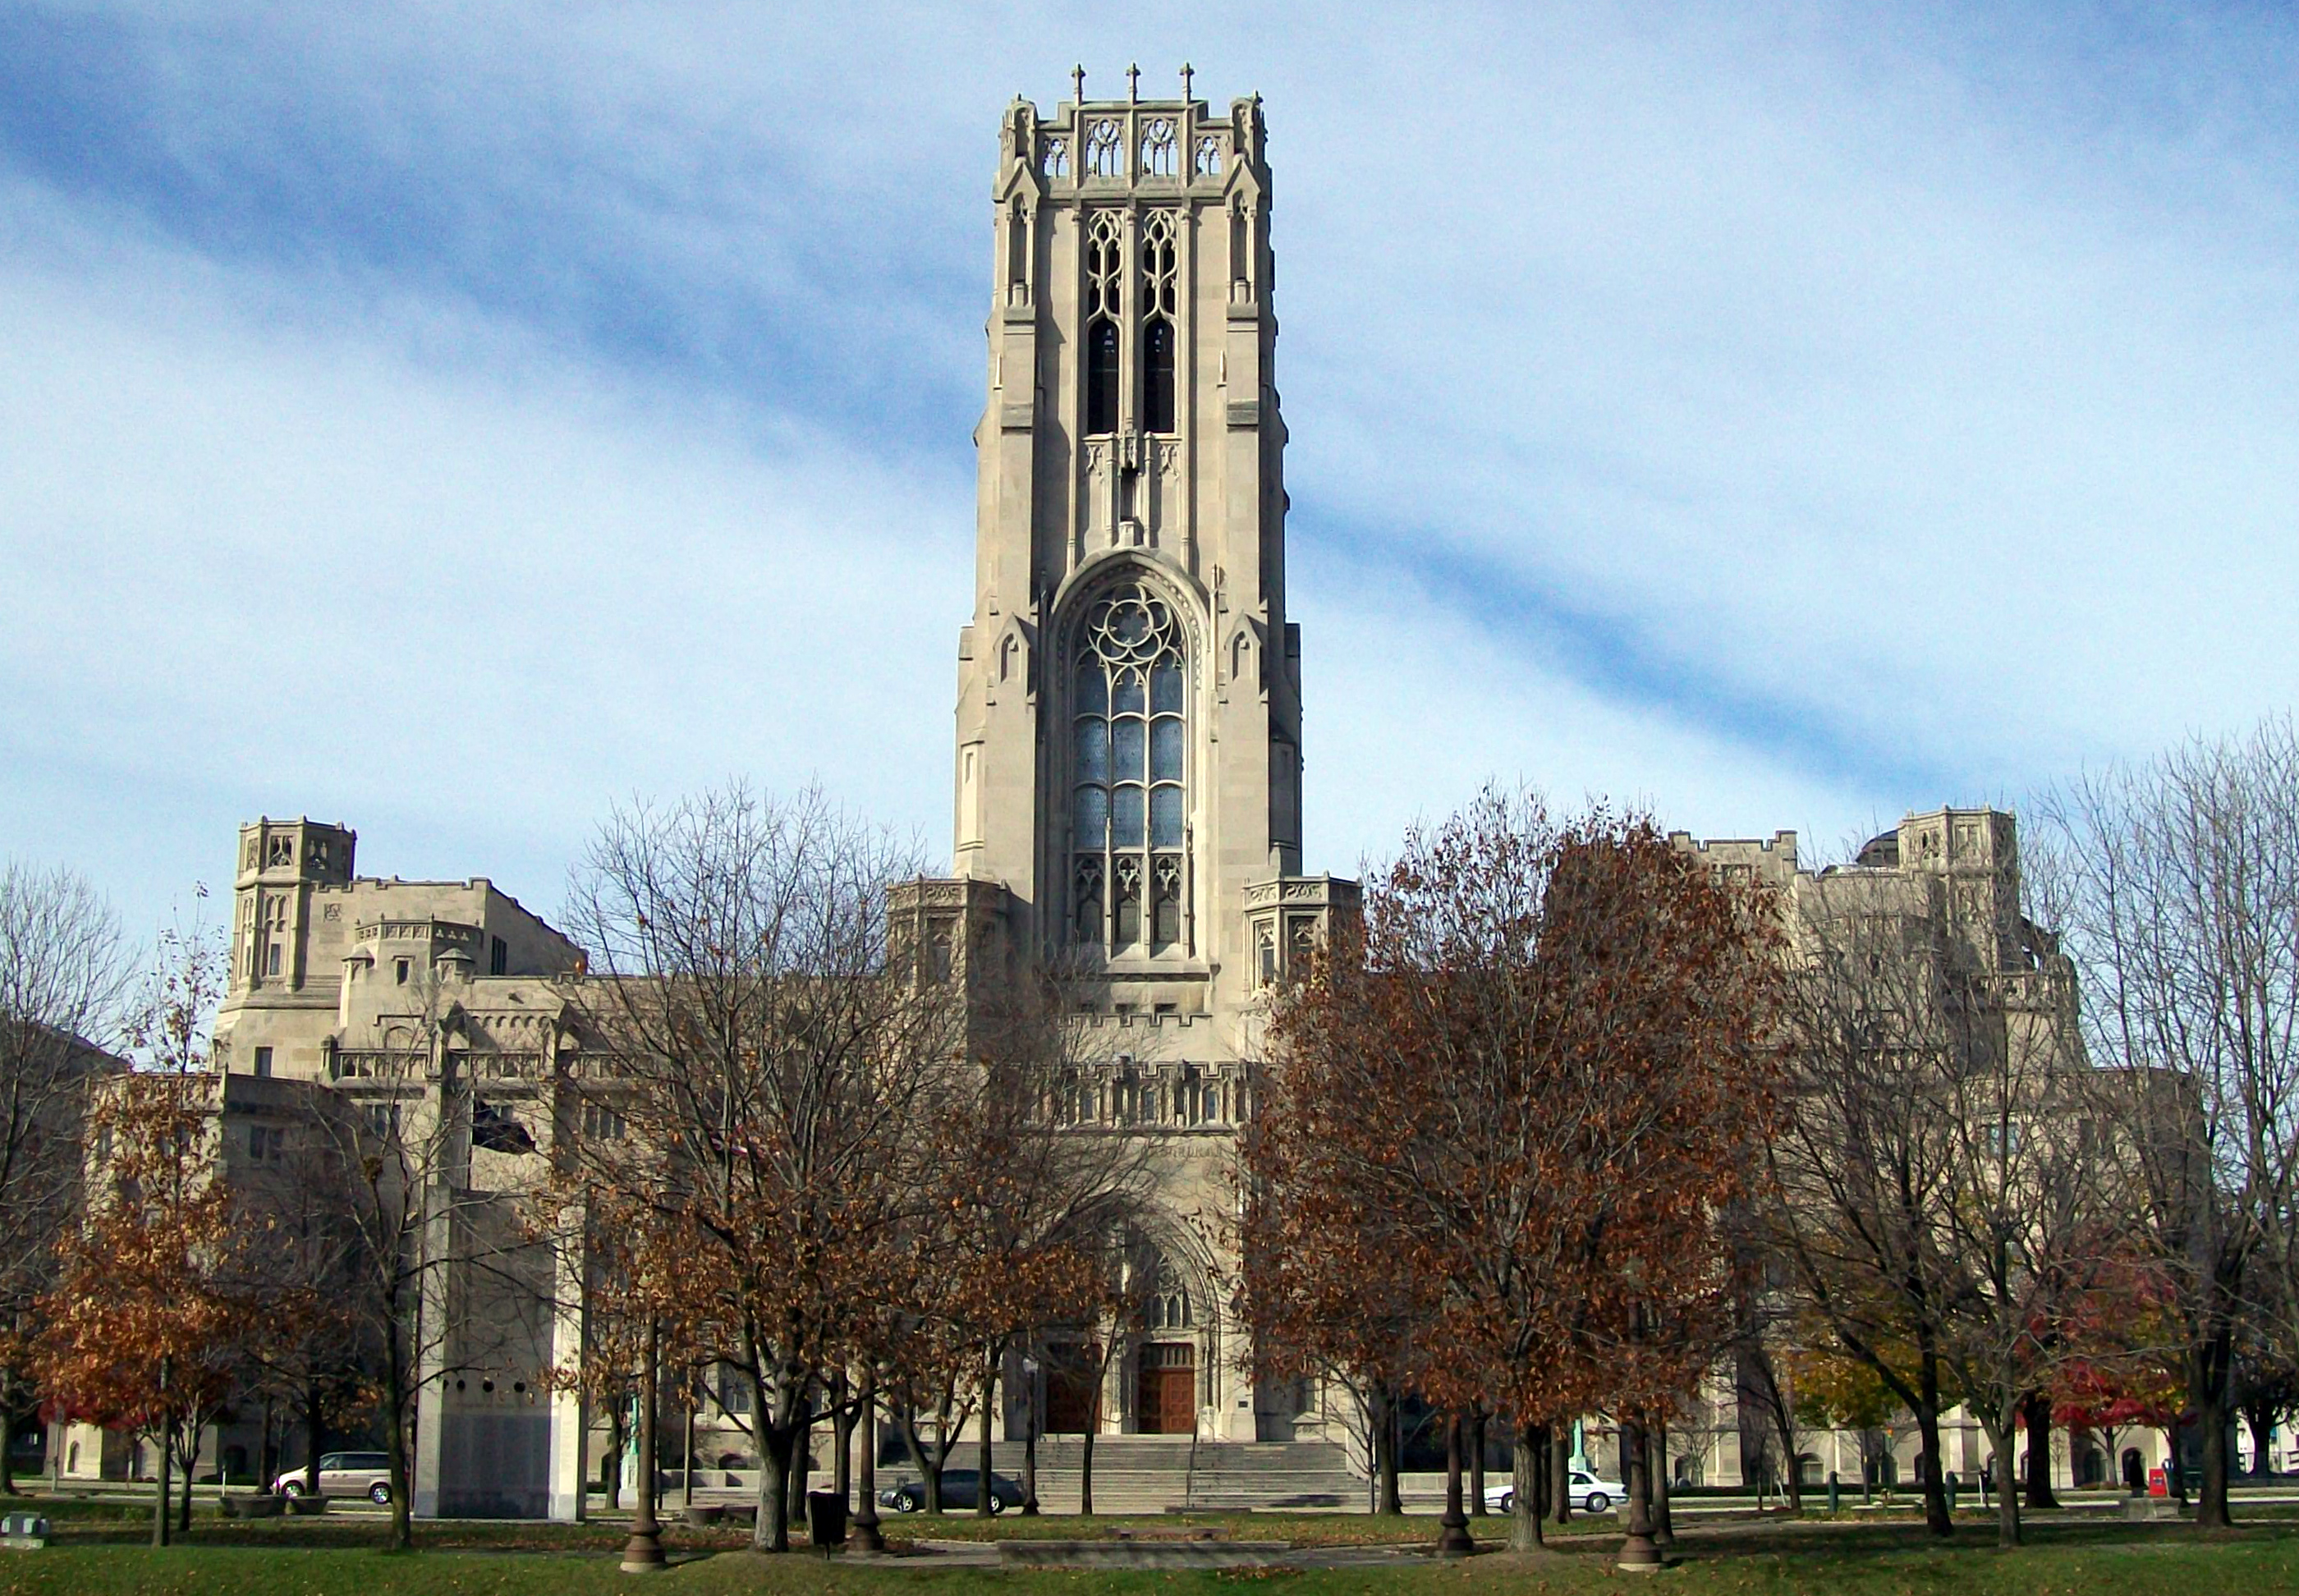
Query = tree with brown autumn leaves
x=1519 y=1104
x=143 y=1329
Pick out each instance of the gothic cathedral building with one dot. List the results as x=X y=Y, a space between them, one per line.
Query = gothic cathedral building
x=1128 y=772
x=1128 y=797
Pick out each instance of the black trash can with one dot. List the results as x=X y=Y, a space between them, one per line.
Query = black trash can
x=825 y=1517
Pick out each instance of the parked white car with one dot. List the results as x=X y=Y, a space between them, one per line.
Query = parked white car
x=1590 y=1494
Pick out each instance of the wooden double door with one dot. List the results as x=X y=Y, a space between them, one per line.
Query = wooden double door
x=1166 y=1402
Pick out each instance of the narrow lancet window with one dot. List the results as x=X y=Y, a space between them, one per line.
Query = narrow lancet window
x=1157 y=375
x=1101 y=379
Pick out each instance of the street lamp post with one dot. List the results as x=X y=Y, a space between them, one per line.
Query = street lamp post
x=866 y=1537
x=642 y=1552
x=1453 y=1537
x=1638 y=1554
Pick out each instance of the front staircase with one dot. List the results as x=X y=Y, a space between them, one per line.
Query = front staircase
x=1157 y=1473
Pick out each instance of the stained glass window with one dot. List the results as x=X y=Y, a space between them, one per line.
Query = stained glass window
x=1129 y=769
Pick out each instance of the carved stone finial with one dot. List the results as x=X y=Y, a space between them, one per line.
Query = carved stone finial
x=1186 y=74
x=1077 y=83
x=1134 y=81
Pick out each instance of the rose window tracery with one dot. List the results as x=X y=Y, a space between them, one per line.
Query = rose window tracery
x=1129 y=746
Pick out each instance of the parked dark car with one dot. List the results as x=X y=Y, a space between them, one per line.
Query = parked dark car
x=959 y=1487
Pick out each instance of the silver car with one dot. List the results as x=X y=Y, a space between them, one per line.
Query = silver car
x=344 y=1474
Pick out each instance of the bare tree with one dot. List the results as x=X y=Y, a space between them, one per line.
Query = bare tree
x=2182 y=878
x=1766 y=1385
x=775 y=1075
x=1861 y=1171
x=1938 y=1193
x=62 y=979
x=2023 y=1239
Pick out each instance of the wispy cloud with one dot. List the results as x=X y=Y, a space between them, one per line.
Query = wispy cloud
x=449 y=419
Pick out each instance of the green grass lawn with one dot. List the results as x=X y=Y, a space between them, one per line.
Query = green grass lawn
x=338 y=1559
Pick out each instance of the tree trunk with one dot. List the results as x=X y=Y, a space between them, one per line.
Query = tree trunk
x=162 y=1506
x=8 y=1453
x=1477 y=1465
x=2211 y=1508
x=1637 y=1548
x=1384 y=1453
x=395 y=1397
x=983 y=1502
x=191 y=1467
x=1085 y=1452
x=1792 y=1477
x=267 y=1453
x=1656 y=1466
x=2036 y=1410
x=1560 y=1473
x=1780 y=1407
x=1524 y=1488
x=801 y=1464
x=772 y=1531
x=928 y=1464
x=1935 y=1480
x=315 y=1437
x=1544 y=1481
x=2001 y=1434
x=610 y=1467
x=687 y=1443
x=841 y=1430
x=1030 y=1467
x=2212 y=1407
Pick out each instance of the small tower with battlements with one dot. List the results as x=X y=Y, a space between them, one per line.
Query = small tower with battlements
x=281 y=862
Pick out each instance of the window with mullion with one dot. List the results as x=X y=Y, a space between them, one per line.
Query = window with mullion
x=1129 y=758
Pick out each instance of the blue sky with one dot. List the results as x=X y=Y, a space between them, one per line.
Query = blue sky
x=449 y=421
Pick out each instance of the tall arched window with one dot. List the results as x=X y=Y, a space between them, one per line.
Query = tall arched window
x=1129 y=742
x=1157 y=375
x=1105 y=306
x=1101 y=378
x=1158 y=311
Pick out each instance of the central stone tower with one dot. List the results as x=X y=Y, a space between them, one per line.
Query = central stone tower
x=1129 y=719
x=1128 y=698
